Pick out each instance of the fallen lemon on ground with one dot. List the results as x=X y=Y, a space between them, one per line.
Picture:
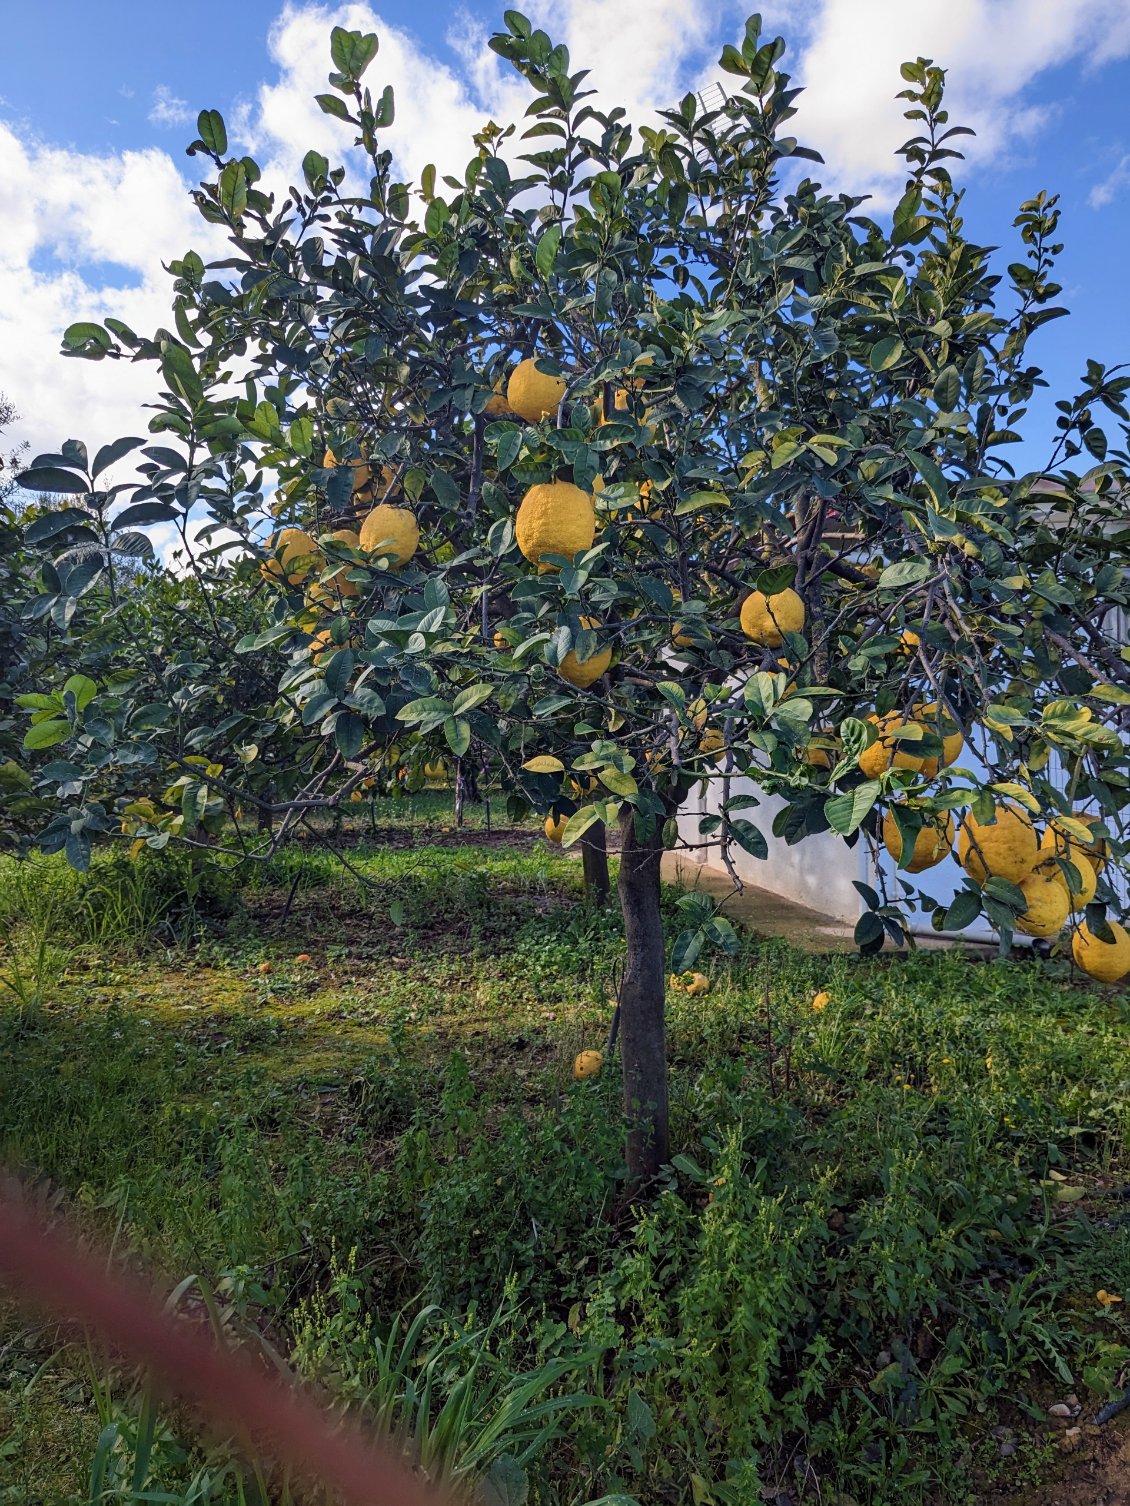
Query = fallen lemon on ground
x=587 y=1064
x=821 y=1001
x=690 y=983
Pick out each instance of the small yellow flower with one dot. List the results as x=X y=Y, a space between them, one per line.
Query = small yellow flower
x=821 y=1001
x=1108 y=1299
x=947 y=1061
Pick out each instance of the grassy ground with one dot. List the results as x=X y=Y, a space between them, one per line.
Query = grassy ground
x=871 y=1270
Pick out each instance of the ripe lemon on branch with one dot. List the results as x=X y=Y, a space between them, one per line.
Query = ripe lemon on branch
x=585 y=672
x=392 y=531
x=766 y=619
x=534 y=394
x=1004 y=848
x=555 y=517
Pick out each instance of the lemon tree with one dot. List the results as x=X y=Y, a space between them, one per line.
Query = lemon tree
x=686 y=475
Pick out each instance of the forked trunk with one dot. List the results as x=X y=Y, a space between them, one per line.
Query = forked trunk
x=643 y=1046
x=594 y=861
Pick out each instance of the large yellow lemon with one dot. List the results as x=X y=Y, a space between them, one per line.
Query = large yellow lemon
x=496 y=405
x=1108 y=961
x=392 y=531
x=362 y=475
x=534 y=394
x=555 y=830
x=1061 y=845
x=1006 y=848
x=766 y=619
x=587 y=1064
x=328 y=595
x=555 y=517
x=1048 y=906
x=297 y=553
x=932 y=843
x=1080 y=897
x=938 y=724
x=884 y=753
x=585 y=672
x=347 y=537
x=321 y=646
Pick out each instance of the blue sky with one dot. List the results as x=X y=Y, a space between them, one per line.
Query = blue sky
x=93 y=174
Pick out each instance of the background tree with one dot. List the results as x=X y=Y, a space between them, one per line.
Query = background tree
x=618 y=465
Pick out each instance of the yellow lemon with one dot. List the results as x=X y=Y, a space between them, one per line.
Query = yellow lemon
x=297 y=553
x=821 y=1001
x=941 y=724
x=585 y=672
x=555 y=517
x=1048 y=905
x=1005 y=848
x=500 y=640
x=908 y=642
x=347 y=537
x=1062 y=845
x=885 y=753
x=496 y=406
x=587 y=1064
x=1082 y=896
x=932 y=843
x=1107 y=961
x=555 y=830
x=766 y=619
x=362 y=475
x=534 y=394
x=391 y=531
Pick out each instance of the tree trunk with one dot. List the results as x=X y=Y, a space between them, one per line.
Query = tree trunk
x=643 y=1047
x=594 y=861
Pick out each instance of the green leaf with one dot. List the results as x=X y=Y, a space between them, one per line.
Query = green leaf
x=885 y=353
x=331 y=105
x=947 y=389
x=110 y=454
x=748 y=837
x=457 y=730
x=504 y=1484
x=46 y=735
x=50 y=478
x=233 y=190
x=845 y=812
x=904 y=573
x=579 y=822
x=546 y=253
x=544 y=763
x=618 y=782
x=688 y=945
x=352 y=52
x=470 y=697
x=213 y=132
x=964 y=910
x=83 y=688
x=349 y=733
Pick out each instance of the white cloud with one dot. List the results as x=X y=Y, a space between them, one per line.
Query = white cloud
x=1106 y=191
x=993 y=49
x=167 y=109
x=68 y=215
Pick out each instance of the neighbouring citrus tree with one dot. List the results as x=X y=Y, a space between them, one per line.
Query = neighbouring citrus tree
x=622 y=460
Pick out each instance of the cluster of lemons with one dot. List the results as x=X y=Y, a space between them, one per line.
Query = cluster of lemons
x=387 y=532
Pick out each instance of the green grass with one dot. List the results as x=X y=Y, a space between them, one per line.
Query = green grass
x=881 y=1234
